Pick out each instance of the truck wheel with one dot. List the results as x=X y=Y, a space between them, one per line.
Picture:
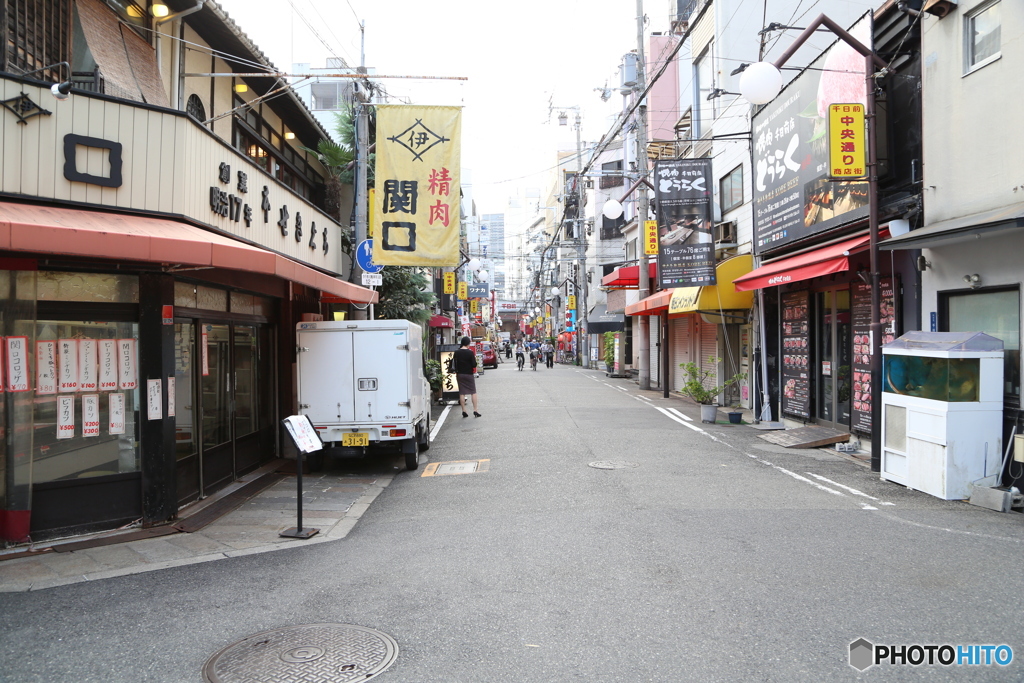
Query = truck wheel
x=425 y=437
x=412 y=458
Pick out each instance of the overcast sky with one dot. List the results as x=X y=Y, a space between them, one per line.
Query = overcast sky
x=517 y=56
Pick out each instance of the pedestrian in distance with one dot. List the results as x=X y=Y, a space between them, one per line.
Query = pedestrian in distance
x=465 y=373
x=549 y=353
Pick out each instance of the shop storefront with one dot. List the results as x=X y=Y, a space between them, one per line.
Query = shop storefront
x=147 y=324
x=817 y=315
x=701 y=324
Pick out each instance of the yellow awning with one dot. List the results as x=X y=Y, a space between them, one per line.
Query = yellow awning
x=722 y=296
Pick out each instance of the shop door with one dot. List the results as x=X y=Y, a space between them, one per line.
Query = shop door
x=832 y=366
x=223 y=429
x=216 y=401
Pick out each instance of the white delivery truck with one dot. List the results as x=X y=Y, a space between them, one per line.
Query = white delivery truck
x=361 y=383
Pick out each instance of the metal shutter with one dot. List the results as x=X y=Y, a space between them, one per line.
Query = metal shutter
x=680 y=337
x=708 y=348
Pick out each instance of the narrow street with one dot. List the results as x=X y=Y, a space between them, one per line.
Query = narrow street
x=712 y=555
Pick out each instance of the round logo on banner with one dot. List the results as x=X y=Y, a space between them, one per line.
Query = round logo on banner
x=364 y=257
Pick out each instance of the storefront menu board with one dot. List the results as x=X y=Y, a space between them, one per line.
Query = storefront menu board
x=796 y=354
x=861 y=313
x=793 y=195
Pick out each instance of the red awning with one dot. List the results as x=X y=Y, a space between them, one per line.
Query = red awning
x=831 y=259
x=441 y=321
x=655 y=303
x=627 y=277
x=50 y=230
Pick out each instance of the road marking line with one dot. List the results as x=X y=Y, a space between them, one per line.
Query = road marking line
x=797 y=476
x=670 y=416
x=644 y=398
x=851 y=490
x=440 y=421
x=620 y=388
x=685 y=417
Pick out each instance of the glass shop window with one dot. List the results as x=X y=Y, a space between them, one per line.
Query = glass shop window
x=95 y=287
x=86 y=400
x=996 y=313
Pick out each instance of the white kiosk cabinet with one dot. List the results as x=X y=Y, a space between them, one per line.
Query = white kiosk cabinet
x=942 y=408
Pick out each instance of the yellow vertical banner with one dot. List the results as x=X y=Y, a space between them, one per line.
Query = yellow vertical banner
x=570 y=302
x=449 y=283
x=463 y=291
x=651 y=238
x=416 y=209
x=474 y=306
x=847 y=141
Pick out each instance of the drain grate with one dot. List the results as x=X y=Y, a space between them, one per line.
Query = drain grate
x=613 y=464
x=314 y=652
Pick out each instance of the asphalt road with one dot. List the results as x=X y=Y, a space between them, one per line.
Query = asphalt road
x=713 y=556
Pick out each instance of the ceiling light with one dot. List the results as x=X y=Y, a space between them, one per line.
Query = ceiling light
x=159 y=10
x=241 y=87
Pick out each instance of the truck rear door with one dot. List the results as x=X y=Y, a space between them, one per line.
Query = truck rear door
x=326 y=376
x=381 y=376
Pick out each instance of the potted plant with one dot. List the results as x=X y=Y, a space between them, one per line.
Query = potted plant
x=735 y=414
x=700 y=385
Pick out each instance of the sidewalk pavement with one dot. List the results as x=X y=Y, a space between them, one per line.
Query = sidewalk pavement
x=332 y=502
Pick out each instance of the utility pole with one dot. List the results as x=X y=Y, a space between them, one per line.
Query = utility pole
x=581 y=246
x=361 y=103
x=643 y=321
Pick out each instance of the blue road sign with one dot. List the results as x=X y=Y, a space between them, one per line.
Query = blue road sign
x=364 y=257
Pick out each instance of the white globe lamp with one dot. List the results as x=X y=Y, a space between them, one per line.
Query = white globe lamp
x=554 y=291
x=612 y=209
x=760 y=83
x=474 y=264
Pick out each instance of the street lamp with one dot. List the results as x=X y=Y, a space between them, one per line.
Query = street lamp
x=760 y=84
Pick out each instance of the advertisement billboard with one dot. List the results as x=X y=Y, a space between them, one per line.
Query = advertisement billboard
x=686 y=248
x=794 y=197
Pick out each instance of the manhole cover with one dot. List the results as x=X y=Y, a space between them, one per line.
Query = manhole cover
x=315 y=652
x=613 y=464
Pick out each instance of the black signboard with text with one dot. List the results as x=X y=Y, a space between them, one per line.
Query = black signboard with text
x=793 y=196
x=686 y=249
x=860 y=305
x=796 y=354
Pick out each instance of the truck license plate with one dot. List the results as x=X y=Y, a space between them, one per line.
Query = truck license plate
x=355 y=439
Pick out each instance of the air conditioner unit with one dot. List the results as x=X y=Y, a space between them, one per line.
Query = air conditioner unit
x=725 y=233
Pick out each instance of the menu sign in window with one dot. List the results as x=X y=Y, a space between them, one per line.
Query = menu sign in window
x=861 y=313
x=796 y=354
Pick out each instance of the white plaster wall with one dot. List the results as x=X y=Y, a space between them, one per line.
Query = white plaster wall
x=998 y=259
x=973 y=143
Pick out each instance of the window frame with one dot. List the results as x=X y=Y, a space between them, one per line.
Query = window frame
x=722 y=193
x=703 y=108
x=971 y=66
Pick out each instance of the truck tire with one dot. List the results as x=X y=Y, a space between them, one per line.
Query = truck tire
x=412 y=457
x=425 y=436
